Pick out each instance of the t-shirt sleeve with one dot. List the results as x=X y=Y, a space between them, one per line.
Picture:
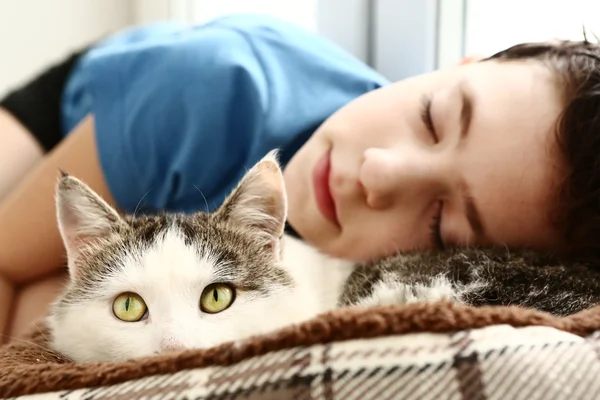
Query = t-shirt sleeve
x=182 y=113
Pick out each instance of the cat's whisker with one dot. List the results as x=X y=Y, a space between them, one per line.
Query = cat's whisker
x=137 y=207
x=395 y=245
x=42 y=333
x=205 y=202
x=27 y=342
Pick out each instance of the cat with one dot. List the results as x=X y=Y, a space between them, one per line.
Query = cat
x=148 y=284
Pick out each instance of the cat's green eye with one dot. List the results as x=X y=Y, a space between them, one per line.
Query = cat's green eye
x=129 y=307
x=216 y=298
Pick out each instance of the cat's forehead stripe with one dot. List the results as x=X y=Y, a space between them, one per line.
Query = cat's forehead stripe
x=235 y=252
x=234 y=255
x=147 y=229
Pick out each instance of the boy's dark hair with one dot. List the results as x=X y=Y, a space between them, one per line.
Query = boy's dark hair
x=576 y=66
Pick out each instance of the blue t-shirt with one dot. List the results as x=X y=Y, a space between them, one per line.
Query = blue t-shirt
x=181 y=110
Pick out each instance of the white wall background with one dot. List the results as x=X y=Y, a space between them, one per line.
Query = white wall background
x=492 y=25
x=303 y=13
x=342 y=21
x=412 y=37
x=34 y=33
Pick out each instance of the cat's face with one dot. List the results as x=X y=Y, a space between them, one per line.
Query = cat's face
x=145 y=285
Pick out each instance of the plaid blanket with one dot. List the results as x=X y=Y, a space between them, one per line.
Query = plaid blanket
x=418 y=351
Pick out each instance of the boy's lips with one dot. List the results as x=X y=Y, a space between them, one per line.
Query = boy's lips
x=323 y=197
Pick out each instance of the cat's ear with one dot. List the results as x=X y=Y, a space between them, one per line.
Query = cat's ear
x=259 y=201
x=83 y=216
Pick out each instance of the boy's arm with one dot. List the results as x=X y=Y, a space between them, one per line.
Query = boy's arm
x=30 y=243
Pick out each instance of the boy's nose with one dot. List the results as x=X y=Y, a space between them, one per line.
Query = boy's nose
x=388 y=174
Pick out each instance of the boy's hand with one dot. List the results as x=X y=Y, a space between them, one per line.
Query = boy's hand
x=7 y=293
x=32 y=302
x=19 y=309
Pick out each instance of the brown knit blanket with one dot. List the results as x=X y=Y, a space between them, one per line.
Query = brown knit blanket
x=416 y=351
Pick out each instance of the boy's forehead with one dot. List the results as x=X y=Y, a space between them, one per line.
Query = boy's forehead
x=515 y=95
x=522 y=79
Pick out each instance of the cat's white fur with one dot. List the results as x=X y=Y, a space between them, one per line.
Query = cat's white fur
x=389 y=291
x=170 y=278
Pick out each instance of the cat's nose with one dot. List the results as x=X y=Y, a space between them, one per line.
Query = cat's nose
x=171 y=347
x=170 y=343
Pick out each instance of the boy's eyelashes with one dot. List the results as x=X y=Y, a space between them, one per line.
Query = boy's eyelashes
x=426 y=117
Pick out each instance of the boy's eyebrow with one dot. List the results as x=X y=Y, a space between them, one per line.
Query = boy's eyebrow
x=466 y=115
x=466 y=112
